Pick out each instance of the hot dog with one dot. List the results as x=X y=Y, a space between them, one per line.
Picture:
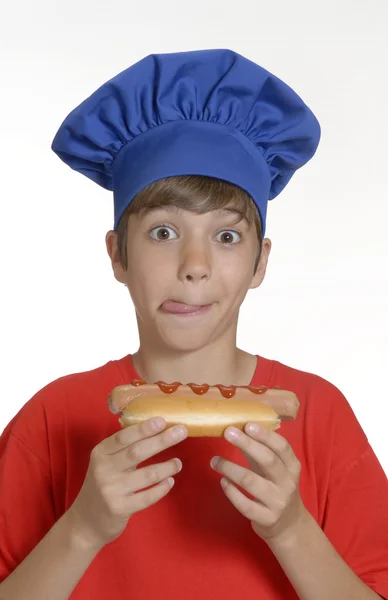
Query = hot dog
x=205 y=410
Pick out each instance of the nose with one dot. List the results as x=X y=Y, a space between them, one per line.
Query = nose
x=195 y=262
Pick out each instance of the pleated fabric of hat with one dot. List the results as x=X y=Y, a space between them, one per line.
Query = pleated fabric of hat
x=205 y=112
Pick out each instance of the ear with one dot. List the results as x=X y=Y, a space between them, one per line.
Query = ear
x=259 y=274
x=114 y=255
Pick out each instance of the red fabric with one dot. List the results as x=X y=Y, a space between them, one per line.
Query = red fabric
x=193 y=543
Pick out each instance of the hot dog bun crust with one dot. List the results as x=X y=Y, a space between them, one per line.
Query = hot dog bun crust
x=203 y=417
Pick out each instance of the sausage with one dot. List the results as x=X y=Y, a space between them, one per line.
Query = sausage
x=205 y=410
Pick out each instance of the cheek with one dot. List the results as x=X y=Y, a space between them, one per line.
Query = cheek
x=236 y=273
x=147 y=280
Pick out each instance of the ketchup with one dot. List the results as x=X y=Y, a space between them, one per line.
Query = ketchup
x=168 y=388
x=201 y=389
x=198 y=389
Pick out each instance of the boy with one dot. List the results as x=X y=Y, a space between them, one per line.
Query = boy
x=193 y=146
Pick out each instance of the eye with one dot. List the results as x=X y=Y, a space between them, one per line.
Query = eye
x=161 y=233
x=227 y=237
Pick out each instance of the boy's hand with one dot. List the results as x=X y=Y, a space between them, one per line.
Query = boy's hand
x=110 y=493
x=273 y=482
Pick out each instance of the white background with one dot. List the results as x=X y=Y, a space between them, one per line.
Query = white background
x=323 y=305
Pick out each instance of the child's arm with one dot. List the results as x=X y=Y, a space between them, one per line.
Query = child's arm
x=345 y=554
x=53 y=569
x=110 y=495
x=316 y=570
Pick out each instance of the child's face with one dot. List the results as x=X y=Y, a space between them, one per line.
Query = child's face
x=176 y=255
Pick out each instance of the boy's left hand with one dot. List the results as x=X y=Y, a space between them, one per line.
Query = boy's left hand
x=273 y=481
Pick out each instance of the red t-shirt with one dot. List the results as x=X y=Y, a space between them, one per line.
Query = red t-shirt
x=193 y=543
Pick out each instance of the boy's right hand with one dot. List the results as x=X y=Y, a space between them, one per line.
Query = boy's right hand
x=110 y=493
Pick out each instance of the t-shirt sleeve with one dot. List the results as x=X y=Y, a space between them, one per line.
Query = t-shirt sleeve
x=356 y=511
x=26 y=504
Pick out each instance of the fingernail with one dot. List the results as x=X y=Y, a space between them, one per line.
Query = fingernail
x=157 y=423
x=232 y=434
x=178 y=432
x=214 y=461
x=253 y=428
x=171 y=481
x=179 y=464
x=224 y=483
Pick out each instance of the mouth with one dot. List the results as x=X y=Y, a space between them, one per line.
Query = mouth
x=179 y=308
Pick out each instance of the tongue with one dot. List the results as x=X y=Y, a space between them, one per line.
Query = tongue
x=177 y=307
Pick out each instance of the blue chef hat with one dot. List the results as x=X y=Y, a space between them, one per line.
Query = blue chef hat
x=208 y=112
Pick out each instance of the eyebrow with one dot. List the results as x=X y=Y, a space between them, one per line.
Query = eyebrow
x=148 y=210
x=219 y=211
x=242 y=216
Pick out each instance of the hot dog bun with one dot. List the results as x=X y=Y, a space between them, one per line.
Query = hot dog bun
x=203 y=417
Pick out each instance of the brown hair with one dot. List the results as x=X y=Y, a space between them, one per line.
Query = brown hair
x=195 y=193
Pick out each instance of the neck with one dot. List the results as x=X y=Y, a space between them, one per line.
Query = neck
x=213 y=365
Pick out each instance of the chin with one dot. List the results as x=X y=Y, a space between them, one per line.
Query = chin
x=184 y=341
